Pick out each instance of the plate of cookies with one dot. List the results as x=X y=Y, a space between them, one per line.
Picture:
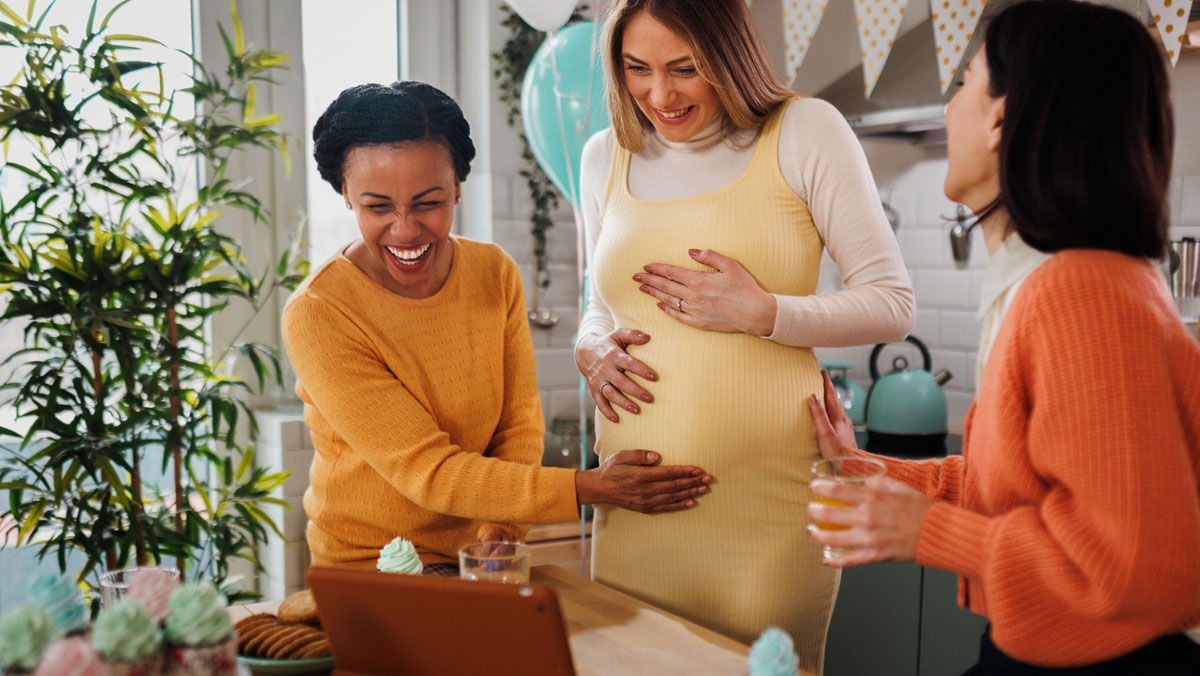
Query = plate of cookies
x=290 y=642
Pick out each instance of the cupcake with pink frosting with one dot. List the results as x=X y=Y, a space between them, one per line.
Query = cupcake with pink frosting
x=153 y=587
x=73 y=656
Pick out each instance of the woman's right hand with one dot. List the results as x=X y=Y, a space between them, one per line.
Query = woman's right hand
x=605 y=363
x=835 y=431
x=632 y=480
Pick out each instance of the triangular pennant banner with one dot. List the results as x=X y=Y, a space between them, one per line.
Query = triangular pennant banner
x=954 y=23
x=878 y=23
x=800 y=21
x=1171 y=17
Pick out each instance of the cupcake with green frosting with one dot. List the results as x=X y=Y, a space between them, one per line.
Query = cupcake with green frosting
x=200 y=635
x=129 y=639
x=399 y=556
x=25 y=633
x=60 y=597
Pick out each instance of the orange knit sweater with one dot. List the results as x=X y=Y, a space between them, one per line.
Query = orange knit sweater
x=424 y=413
x=1073 y=515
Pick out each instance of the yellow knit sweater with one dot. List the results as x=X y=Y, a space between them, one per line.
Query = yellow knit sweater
x=424 y=413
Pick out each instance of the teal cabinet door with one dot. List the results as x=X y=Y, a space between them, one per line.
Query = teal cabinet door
x=876 y=622
x=949 y=634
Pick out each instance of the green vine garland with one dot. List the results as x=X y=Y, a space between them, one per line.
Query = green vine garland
x=511 y=62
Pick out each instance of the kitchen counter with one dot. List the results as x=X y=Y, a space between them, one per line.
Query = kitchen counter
x=613 y=634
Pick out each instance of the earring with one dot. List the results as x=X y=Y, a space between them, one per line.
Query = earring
x=348 y=206
x=457 y=200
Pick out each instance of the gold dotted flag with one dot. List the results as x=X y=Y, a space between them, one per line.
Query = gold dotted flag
x=800 y=21
x=954 y=23
x=878 y=23
x=1171 y=17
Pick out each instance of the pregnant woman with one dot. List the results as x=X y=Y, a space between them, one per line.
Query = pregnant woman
x=708 y=207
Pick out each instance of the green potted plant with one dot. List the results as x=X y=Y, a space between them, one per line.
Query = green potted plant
x=113 y=262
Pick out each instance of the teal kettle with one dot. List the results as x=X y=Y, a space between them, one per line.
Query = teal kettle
x=850 y=394
x=906 y=408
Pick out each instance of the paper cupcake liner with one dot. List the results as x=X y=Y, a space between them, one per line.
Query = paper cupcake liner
x=147 y=666
x=218 y=659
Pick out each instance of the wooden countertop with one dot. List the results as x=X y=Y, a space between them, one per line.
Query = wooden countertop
x=613 y=634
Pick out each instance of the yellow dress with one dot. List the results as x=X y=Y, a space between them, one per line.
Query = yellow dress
x=734 y=404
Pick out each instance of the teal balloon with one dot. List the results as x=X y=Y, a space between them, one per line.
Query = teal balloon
x=554 y=106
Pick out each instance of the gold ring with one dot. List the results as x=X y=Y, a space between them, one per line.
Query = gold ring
x=679 y=304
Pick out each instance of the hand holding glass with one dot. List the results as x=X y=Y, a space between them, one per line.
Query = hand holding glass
x=862 y=471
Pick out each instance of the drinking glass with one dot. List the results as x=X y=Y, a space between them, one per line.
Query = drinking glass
x=862 y=471
x=505 y=562
x=114 y=584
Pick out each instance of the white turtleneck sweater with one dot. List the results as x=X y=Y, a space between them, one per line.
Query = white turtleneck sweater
x=822 y=161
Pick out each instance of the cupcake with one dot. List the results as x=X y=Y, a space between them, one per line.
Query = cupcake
x=773 y=654
x=200 y=636
x=60 y=597
x=153 y=587
x=399 y=556
x=24 y=635
x=72 y=656
x=129 y=639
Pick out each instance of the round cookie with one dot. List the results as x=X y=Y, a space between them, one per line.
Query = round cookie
x=288 y=649
x=319 y=648
x=299 y=608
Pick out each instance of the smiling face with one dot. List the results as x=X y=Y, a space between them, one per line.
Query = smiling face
x=973 y=123
x=661 y=76
x=403 y=196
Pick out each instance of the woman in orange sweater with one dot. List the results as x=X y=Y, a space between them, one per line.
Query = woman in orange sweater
x=415 y=363
x=1073 y=515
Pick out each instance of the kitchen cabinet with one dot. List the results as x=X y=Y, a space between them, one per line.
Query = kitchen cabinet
x=900 y=619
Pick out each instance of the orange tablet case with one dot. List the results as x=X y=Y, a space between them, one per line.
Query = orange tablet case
x=382 y=623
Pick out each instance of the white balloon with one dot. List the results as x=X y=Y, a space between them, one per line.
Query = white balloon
x=544 y=15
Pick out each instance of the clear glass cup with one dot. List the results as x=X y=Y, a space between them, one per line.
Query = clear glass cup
x=114 y=584
x=863 y=471
x=504 y=562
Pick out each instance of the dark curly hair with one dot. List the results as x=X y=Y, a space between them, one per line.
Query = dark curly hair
x=379 y=114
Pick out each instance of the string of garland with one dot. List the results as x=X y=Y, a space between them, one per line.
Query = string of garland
x=511 y=62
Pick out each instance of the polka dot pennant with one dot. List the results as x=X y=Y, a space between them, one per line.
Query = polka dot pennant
x=800 y=21
x=1171 y=17
x=878 y=23
x=954 y=23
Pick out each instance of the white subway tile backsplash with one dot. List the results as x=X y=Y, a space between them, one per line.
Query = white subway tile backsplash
x=943 y=288
x=298 y=463
x=977 y=277
x=562 y=334
x=295 y=521
x=933 y=209
x=1189 y=202
x=904 y=201
x=959 y=329
x=927 y=326
x=556 y=368
x=564 y=285
x=957 y=405
x=924 y=248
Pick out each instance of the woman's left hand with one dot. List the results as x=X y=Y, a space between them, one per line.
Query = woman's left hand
x=728 y=300
x=884 y=522
x=499 y=539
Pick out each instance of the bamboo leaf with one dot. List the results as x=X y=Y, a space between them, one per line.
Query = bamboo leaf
x=109 y=16
x=264 y=121
x=239 y=34
x=31 y=521
x=246 y=463
x=12 y=16
x=129 y=37
x=251 y=99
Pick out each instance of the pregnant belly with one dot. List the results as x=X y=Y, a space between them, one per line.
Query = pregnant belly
x=732 y=404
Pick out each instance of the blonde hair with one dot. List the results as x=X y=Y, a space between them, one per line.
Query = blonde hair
x=725 y=47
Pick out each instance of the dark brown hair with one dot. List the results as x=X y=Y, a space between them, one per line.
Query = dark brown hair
x=1088 y=133
x=727 y=51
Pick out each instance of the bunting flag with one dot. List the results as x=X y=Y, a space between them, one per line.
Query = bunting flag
x=878 y=23
x=1171 y=17
x=800 y=21
x=954 y=23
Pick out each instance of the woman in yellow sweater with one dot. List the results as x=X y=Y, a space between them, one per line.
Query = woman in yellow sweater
x=414 y=358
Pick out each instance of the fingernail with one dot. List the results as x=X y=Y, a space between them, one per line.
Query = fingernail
x=651 y=376
x=637 y=277
x=639 y=334
x=697 y=472
x=646 y=398
x=707 y=480
x=694 y=252
x=702 y=490
x=662 y=307
x=690 y=503
x=647 y=268
x=643 y=288
x=652 y=456
x=633 y=409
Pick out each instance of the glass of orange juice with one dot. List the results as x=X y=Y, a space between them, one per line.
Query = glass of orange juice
x=865 y=471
